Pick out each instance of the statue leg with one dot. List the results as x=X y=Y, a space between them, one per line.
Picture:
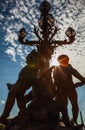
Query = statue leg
x=14 y=91
x=65 y=117
x=8 y=106
x=21 y=105
x=63 y=103
x=22 y=86
x=75 y=109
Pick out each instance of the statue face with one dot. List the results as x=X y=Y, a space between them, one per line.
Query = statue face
x=64 y=61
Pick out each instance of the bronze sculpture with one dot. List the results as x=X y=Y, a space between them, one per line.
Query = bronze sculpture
x=45 y=46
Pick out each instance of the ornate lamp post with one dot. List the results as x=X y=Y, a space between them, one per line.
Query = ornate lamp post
x=45 y=32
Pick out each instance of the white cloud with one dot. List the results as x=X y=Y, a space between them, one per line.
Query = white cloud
x=2 y=102
x=81 y=21
x=20 y=51
x=11 y=52
x=14 y=11
x=10 y=38
x=1 y=16
x=26 y=11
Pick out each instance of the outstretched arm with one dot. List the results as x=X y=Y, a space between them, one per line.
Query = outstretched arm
x=78 y=75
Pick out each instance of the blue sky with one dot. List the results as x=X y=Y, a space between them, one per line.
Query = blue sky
x=24 y=13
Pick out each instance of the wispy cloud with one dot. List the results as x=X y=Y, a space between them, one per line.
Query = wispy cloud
x=2 y=102
x=1 y=16
x=26 y=14
x=12 y=53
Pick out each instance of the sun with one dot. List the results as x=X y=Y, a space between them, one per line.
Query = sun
x=53 y=61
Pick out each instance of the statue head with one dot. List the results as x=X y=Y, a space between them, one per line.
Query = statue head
x=63 y=60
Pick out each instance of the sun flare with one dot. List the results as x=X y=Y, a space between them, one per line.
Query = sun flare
x=53 y=61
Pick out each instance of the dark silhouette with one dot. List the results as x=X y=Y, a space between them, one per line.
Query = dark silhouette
x=26 y=78
x=65 y=85
x=46 y=101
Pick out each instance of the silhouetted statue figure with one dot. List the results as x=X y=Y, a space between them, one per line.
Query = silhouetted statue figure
x=65 y=85
x=27 y=77
x=43 y=102
x=43 y=86
x=46 y=100
x=42 y=105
